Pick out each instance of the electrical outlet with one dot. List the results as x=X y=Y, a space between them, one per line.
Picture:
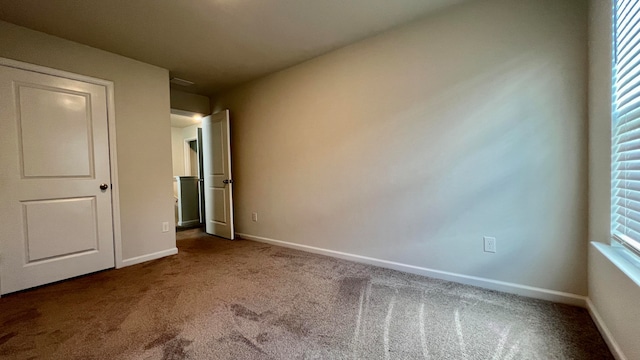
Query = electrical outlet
x=165 y=226
x=489 y=244
x=254 y=217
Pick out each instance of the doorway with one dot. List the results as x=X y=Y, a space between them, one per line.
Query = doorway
x=202 y=171
x=186 y=140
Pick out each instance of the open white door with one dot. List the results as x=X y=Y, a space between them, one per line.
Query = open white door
x=55 y=212
x=218 y=186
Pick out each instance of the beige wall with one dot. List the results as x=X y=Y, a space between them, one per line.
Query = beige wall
x=412 y=145
x=189 y=102
x=191 y=132
x=142 y=129
x=614 y=296
x=177 y=151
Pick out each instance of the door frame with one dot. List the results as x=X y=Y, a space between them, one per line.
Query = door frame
x=111 y=119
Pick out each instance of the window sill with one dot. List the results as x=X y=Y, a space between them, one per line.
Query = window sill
x=621 y=258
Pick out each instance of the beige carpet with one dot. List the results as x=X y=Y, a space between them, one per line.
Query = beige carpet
x=219 y=299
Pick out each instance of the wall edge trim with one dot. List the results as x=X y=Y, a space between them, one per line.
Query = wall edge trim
x=512 y=288
x=148 y=257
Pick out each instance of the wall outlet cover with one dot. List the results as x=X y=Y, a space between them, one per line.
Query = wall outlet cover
x=489 y=244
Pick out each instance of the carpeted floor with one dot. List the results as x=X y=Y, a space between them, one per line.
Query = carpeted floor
x=219 y=299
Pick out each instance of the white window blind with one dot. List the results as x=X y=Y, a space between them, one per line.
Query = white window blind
x=625 y=162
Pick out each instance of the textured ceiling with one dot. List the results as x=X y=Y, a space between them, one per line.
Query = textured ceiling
x=216 y=43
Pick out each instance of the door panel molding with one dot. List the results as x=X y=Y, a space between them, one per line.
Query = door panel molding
x=111 y=131
x=79 y=238
x=29 y=124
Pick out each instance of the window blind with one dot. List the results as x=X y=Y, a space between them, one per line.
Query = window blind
x=625 y=162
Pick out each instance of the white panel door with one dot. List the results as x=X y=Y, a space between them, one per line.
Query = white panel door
x=218 y=186
x=55 y=207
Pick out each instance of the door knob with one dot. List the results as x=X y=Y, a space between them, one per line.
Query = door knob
x=229 y=181
x=104 y=186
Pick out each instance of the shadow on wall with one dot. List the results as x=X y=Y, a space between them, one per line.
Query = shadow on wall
x=484 y=158
x=410 y=147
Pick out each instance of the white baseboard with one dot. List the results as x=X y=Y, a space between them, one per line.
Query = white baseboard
x=143 y=258
x=604 y=330
x=523 y=290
